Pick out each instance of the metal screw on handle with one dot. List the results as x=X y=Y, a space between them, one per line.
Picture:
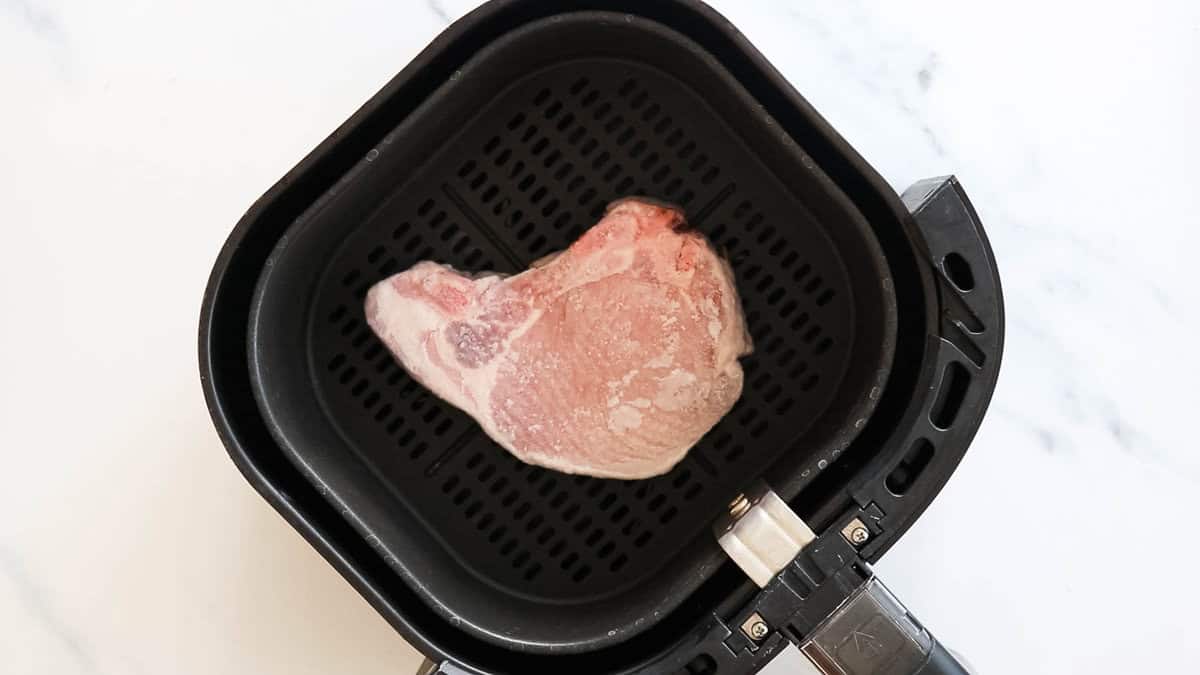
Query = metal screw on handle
x=856 y=532
x=858 y=627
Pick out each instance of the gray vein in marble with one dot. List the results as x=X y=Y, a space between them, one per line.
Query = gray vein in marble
x=1132 y=440
x=1120 y=432
x=925 y=76
x=1078 y=404
x=881 y=48
x=1047 y=438
x=39 y=609
x=436 y=7
x=859 y=65
x=41 y=21
x=934 y=143
x=1050 y=231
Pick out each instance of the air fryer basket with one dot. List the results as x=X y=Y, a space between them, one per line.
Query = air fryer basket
x=511 y=159
x=502 y=142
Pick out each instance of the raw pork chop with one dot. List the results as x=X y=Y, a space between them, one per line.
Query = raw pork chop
x=610 y=359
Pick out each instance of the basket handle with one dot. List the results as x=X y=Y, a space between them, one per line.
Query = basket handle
x=818 y=593
x=873 y=634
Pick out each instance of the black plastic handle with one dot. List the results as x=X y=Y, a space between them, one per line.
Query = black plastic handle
x=942 y=662
x=872 y=633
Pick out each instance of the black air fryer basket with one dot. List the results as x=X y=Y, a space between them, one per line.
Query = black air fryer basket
x=877 y=323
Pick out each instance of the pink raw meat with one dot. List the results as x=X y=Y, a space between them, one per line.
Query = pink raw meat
x=610 y=359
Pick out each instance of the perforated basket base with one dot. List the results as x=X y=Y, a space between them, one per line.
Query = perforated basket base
x=564 y=116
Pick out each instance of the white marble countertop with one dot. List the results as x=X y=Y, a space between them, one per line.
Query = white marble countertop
x=137 y=132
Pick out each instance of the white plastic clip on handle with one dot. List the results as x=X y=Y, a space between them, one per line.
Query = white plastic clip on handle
x=869 y=633
x=764 y=536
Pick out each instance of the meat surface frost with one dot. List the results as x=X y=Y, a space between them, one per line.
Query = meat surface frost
x=611 y=358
